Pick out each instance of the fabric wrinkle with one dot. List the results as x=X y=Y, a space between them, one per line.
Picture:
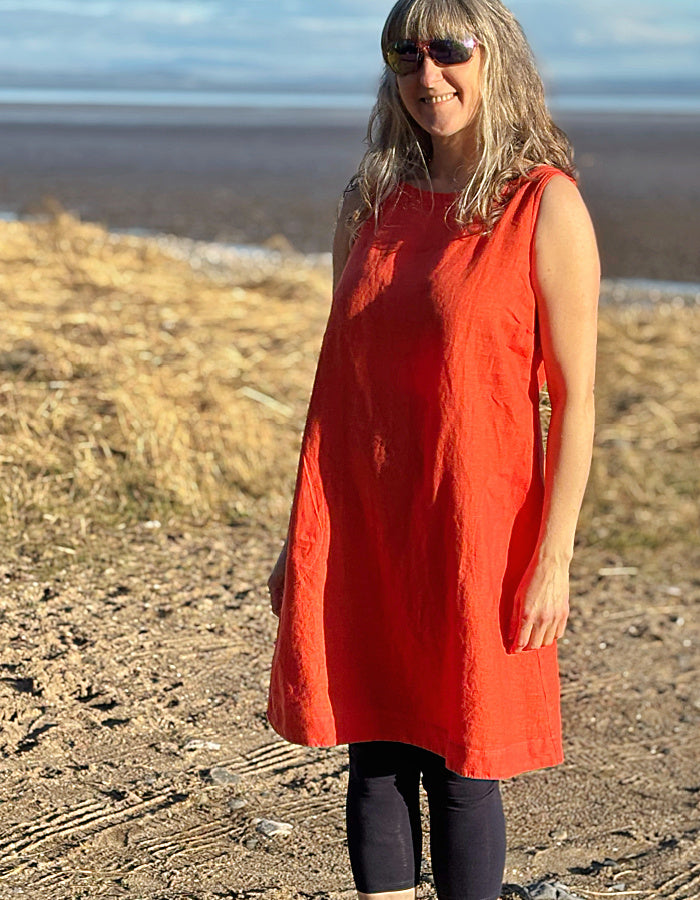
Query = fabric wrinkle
x=419 y=498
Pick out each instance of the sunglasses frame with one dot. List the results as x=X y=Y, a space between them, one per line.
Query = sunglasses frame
x=423 y=48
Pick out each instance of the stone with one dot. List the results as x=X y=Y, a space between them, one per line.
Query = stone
x=551 y=890
x=270 y=827
x=197 y=744
x=220 y=775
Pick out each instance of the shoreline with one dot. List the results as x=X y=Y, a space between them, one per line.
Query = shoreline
x=221 y=256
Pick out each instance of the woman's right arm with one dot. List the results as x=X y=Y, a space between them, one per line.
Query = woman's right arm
x=342 y=244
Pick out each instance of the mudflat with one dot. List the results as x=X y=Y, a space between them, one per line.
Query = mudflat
x=244 y=176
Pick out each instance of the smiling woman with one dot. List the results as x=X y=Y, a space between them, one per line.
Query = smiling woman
x=425 y=578
x=492 y=123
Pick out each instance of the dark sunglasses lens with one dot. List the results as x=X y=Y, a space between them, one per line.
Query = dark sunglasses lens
x=402 y=57
x=405 y=57
x=450 y=53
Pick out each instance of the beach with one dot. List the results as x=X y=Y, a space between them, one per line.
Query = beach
x=246 y=176
x=154 y=392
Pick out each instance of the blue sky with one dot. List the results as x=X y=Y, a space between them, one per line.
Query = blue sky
x=310 y=45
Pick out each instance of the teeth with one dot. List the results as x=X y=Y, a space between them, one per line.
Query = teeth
x=438 y=99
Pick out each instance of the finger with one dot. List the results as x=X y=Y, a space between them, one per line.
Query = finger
x=549 y=634
x=536 y=636
x=523 y=636
x=563 y=619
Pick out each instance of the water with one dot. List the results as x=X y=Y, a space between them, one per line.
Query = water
x=277 y=53
x=14 y=98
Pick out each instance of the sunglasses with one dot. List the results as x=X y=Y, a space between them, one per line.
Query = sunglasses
x=406 y=57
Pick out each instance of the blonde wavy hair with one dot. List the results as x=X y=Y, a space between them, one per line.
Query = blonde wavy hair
x=514 y=130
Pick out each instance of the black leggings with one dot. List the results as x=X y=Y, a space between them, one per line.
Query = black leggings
x=467 y=826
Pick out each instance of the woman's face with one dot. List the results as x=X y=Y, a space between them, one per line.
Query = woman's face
x=443 y=99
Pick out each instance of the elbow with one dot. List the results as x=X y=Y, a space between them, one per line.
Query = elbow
x=564 y=398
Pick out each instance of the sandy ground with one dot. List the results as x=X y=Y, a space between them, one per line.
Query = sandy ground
x=110 y=671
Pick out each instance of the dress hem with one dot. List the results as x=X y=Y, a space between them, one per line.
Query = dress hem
x=494 y=763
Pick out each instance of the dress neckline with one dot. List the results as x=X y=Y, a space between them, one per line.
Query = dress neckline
x=426 y=193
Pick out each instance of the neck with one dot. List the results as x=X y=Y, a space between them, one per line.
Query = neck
x=453 y=161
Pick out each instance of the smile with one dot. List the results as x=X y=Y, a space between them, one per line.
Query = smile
x=443 y=98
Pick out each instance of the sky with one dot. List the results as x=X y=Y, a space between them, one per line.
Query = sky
x=310 y=45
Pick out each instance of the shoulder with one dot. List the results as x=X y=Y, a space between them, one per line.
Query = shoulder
x=566 y=279
x=565 y=249
x=560 y=201
x=349 y=204
x=563 y=220
x=350 y=201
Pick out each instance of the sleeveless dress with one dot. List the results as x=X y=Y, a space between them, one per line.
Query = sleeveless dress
x=418 y=500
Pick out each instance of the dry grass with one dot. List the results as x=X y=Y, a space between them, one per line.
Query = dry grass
x=135 y=387
x=643 y=488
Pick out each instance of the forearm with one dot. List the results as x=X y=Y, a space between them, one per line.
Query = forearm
x=567 y=466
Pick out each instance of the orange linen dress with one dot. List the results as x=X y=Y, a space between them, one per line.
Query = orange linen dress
x=418 y=500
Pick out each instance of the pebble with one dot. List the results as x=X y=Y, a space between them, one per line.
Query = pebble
x=607 y=571
x=220 y=775
x=558 y=834
x=270 y=827
x=613 y=863
x=235 y=803
x=197 y=744
x=223 y=256
x=551 y=890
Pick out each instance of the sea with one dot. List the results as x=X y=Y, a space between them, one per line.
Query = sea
x=309 y=54
x=134 y=61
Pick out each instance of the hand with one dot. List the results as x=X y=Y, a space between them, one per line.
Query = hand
x=275 y=583
x=541 y=606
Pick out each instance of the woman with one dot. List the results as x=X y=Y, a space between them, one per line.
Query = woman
x=424 y=581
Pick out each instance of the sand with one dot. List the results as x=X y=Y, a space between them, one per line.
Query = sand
x=110 y=672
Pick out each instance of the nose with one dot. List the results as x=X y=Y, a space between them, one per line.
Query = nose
x=429 y=73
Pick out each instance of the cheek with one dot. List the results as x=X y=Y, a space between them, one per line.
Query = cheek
x=405 y=93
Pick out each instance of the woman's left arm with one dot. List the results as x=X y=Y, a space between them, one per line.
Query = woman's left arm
x=567 y=285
